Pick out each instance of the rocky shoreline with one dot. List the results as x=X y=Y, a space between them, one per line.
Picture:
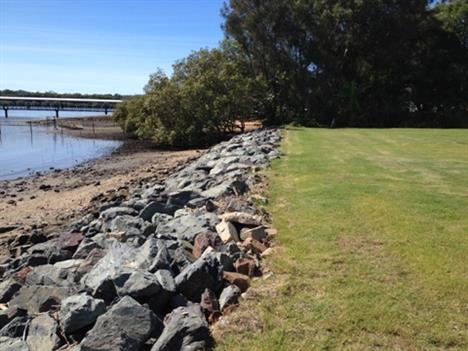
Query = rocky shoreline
x=149 y=270
x=50 y=200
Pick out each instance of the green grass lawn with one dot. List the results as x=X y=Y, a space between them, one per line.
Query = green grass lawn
x=372 y=244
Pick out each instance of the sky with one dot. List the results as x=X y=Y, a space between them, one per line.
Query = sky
x=100 y=46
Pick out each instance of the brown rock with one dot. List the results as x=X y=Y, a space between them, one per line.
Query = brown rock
x=246 y=266
x=242 y=281
x=70 y=241
x=23 y=273
x=205 y=240
x=254 y=245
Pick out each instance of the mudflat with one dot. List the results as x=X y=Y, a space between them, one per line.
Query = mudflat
x=53 y=199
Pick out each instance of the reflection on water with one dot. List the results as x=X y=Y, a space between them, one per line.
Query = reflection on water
x=26 y=148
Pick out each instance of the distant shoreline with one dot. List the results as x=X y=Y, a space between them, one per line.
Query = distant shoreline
x=93 y=127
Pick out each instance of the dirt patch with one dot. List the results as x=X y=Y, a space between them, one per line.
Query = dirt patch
x=242 y=318
x=359 y=244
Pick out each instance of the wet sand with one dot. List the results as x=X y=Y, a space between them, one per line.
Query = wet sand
x=51 y=200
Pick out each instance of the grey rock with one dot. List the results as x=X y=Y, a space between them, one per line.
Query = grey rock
x=181 y=198
x=79 y=311
x=51 y=250
x=98 y=281
x=160 y=302
x=185 y=329
x=257 y=233
x=205 y=272
x=232 y=249
x=153 y=255
x=15 y=328
x=42 y=334
x=136 y=283
x=160 y=218
x=181 y=258
x=166 y=280
x=49 y=275
x=156 y=207
x=8 y=288
x=6 y=316
x=38 y=298
x=125 y=327
x=113 y=212
x=125 y=223
x=69 y=265
x=225 y=260
x=13 y=344
x=227 y=187
x=187 y=225
x=85 y=247
x=229 y=296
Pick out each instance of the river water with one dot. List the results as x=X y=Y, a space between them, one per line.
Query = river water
x=26 y=149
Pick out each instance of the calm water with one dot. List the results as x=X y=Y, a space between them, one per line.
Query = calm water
x=25 y=150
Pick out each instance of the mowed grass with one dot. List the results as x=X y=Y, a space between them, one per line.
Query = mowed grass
x=372 y=245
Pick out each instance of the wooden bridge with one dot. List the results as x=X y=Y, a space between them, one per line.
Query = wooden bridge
x=56 y=104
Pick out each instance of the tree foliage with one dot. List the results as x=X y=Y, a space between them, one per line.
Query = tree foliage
x=380 y=63
x=361 y=63
x=209 y=92
x=454 y=17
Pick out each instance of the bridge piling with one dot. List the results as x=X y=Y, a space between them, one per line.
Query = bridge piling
x=56 y=113
x=6 y=112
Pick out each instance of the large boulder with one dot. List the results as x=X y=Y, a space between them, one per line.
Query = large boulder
x=132 y=226
x=80 y=311
x=187 y=225
x=42 y=334
x=51 y=250
x=98 y=281
x=13 y=344
x=136 y=283
x=49 y=275
x=185 y=329
x=153 y=255
x=39 y=298
x=205 y=272
x=227 y=187
x=156 y=207
x=125 y=327
x=160 y=302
